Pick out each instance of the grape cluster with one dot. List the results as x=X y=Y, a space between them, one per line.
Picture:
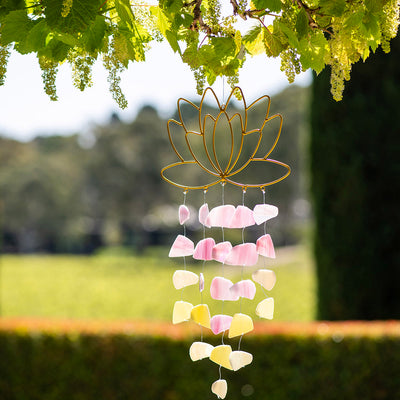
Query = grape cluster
x=4 y=54
x=49 y=73
x=290 y=64
x=81 y=70
x=66 y=7
x=389 y=23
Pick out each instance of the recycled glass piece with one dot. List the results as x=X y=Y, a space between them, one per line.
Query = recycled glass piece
x=220 y=355
x=242 y=217
x=201 y=315
x=200 y=350
x=220 y=216
x=243 y=254
x=221 y=250
x=182 y=278
x=219 y=289
x=182 y=312
x=240 y=359
x=245 y=288
x=264 y=212
x=201 y=282
x=265 y=277
x=184 y=214
x=265 y=247
x=203 y=250
x=220 y=323
x=241 y=324
x=203 y=214
x=265 y=308
x=220 y=388
x=181 y=247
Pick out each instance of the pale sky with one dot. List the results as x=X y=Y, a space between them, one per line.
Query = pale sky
x=26 y=111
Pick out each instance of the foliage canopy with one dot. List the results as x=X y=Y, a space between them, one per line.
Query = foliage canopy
x=303 y=33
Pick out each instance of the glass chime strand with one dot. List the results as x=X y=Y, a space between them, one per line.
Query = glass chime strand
x=184 y=234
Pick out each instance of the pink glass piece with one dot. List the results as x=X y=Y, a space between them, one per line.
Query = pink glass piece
x=245 y=288
x=242 y=217
x=203 y=214
x=201 y=282
x=181 y=247
x=221 y=250
x=220 y=323
x=265 y=247
x=219 y=289
x=184 y=214
x=242 y=254
x=264 y=212
x=203 y=250
x=220 y=216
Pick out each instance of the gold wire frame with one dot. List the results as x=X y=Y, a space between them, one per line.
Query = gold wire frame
x=223 y=175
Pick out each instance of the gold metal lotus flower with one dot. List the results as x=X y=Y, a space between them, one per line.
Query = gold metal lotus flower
x=223 y=146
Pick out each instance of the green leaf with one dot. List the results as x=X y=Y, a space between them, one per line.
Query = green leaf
x=254 y=41
x=94 y=35
x=272 y=43
x=354 y=20
x=272 y=5
x=172 y=38
x=333 y=7
x=124 y=11
x=15 y=27
x=81 y=15
x=289 y=33
x=36 y=37
x=312 y=51
x=163 y=23
x=302 y=23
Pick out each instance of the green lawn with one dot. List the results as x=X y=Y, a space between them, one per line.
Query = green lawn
x=132 y=287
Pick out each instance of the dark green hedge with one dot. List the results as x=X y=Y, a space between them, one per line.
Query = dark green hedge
x=355 y=171
x=112 y=367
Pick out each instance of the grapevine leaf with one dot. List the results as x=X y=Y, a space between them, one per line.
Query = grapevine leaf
x=36 y=37
x=253 y=41
x=163 y=23
x=354 y=20
x=124 y=11
x=94 y=35
x=172 y=38
x=333 y=7
x=15 y=27
x=272 y=5
x=312 y=51
x=290 y=35
x=81 y=15
x=302 y=23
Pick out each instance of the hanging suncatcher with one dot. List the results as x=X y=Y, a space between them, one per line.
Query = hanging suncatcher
x=232 y=156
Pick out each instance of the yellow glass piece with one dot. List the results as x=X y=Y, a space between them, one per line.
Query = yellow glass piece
x=201 y=315
x=241 y=324
x=182 y=312
x=220 y=355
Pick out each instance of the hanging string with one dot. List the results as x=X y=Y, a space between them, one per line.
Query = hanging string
x=240 y=341
x=241 y=271
x=204 y=261
x=184 y=234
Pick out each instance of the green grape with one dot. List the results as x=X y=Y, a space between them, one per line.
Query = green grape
x=66 y=7
x=49 y=73
x=200 y=78
x=114 y=66
x=4 y=55
x=389 y=23
x=81 y=70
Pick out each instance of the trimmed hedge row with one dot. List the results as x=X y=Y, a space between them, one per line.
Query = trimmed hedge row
x=52 y=366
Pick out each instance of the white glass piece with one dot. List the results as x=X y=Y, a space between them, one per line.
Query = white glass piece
x=264 y=212
x=265 y=308
x=240 y=359
x=182 y=278
x=200 y=350
x=265 y=277
x=220 y=388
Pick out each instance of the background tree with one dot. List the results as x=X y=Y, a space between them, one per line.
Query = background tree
x=355 y=153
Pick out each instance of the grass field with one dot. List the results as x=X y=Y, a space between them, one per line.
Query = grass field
x=140 y=287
